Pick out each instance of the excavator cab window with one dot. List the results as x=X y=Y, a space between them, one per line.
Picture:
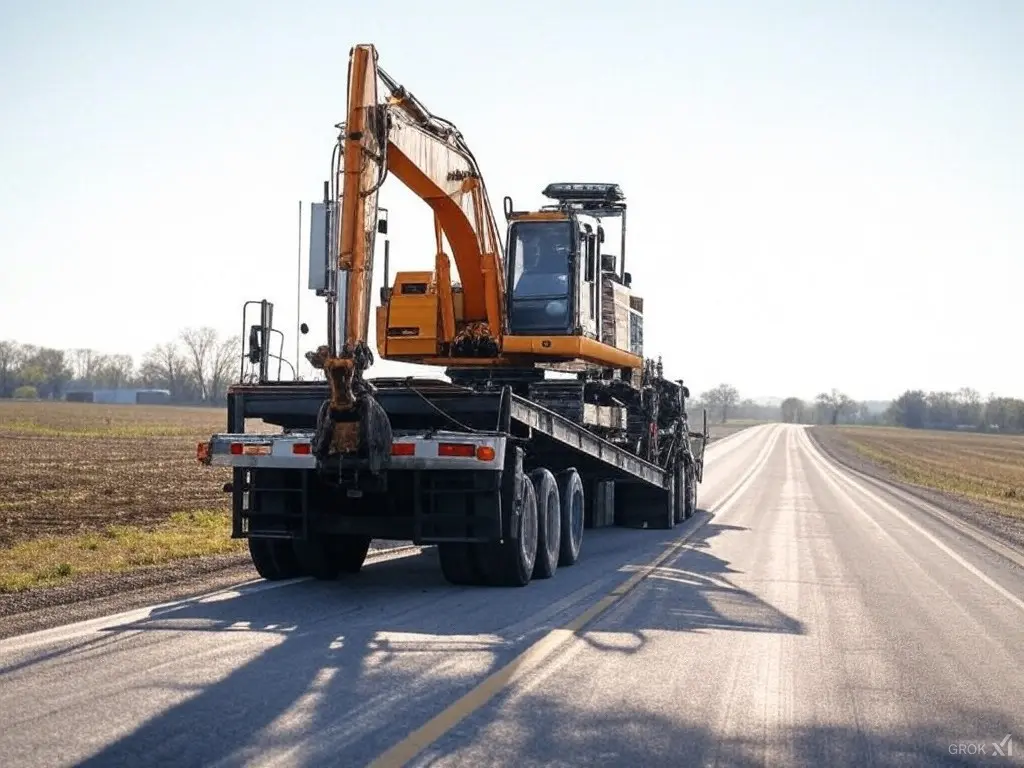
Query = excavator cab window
x=541 y=263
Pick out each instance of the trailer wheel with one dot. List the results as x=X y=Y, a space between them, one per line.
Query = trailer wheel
x=350 y=552
x=679 y=504
x=665 y=518
x=570 y=492
x=327 y=555
x=510 y=564
x=459 y=563
x=274 y=559
x=549 y=523
x=691 y=495
x=317 y=558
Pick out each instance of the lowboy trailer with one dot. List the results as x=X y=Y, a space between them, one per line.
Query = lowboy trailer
x=501 y=484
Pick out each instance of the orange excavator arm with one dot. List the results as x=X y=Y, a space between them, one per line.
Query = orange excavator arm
x=398 y=135
x=393 y=133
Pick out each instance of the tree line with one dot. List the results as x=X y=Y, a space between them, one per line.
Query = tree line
x=196 y=367
x=965 y=409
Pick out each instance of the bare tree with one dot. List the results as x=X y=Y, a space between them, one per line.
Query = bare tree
x=82 y=363
x=724 y=397
x=224 y=363
x=9 y=364
x=165 y=366
x=835 y=404
x=117 y=370
x=792 y=410
x=970 y=406
x=200 y=346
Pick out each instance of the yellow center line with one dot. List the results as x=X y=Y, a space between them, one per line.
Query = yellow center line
x=434 y=729
x=405 y=750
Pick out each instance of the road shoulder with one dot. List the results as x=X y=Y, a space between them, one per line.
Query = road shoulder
x=102 y=594
x=1005 y=529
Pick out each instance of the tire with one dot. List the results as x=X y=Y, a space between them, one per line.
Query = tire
x=570 y=494
x=316 y=558
x=690 y=507
x=327 y=555
x=459 y=563
x=510 y=564
x=665 y=518
x=350 y=552
x=680 y=495
x=274 y=559
x=549 y=523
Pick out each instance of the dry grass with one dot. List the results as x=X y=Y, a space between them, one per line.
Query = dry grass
x=51 y=560
x=88 y=488
x=983 y=468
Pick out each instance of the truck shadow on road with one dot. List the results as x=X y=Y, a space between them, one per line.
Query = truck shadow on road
x=546 y=728
x=350 y=666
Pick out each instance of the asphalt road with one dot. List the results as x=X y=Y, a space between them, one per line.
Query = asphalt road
x=805 y=618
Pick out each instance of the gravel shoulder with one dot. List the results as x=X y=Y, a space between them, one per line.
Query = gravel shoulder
x=99 y=595
x=1007 y=529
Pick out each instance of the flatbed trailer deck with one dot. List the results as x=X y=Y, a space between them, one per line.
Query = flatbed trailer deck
x=455 y=478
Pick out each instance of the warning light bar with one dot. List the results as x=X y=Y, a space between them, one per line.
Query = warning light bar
x=564 y=191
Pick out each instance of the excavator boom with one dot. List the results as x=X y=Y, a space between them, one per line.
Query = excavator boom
x=395 y=134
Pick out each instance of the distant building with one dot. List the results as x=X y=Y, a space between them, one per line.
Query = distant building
x=126 y=396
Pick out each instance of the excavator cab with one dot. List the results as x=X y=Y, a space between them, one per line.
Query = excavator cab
x=556 y=270
x=542 y=275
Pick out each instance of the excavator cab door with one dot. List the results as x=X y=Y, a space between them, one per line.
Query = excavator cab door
x=543 y=268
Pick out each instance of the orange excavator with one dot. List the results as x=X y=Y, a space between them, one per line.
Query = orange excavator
x=501 y=465
x=555 y=302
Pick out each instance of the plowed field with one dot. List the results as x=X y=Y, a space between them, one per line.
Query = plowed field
x=79 y=467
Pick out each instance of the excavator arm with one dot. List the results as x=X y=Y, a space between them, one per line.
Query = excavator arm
x=393 y=133
x=431 y=158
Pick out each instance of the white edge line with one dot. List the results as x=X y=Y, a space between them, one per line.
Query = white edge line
x=980 y=535
x=829 y=467
x=77 y=629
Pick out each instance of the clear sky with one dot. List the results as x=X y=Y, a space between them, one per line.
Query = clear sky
x=822 y=194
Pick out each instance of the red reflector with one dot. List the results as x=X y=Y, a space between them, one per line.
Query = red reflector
x=403 y=449
x=456 y=449
x=301 y=448
x=251 y=449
